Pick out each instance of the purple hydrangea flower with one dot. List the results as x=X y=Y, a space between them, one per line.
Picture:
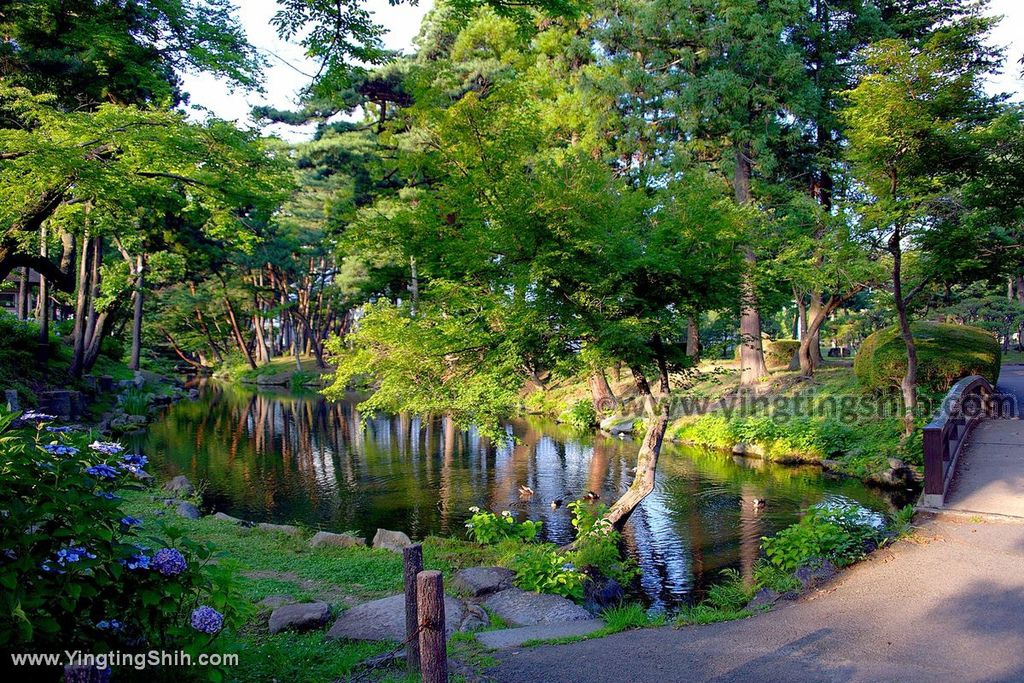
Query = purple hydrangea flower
x=103 y=471
x=133 y=463
x=207 y=620
x=106 y=447
x=169 y=562
x=128 y=521
x=60 y=449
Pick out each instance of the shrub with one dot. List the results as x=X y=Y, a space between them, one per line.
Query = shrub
x=945 y=353
x=581 y=415
x=135 y=402
x=540 y=568
x=779 y=353
x=597 y=543
x=711 y=429
x=20 y=341
x=78 y=573
x=840 y=534
x=486 y=527
x=113 y=348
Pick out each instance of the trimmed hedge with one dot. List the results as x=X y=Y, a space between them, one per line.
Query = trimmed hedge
x=779 y=353
x=945 y=353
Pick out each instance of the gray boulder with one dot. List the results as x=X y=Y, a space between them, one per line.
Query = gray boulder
x=476 y=618
x=384 y=619
x=616 y=425
x=187 y=510
x=521 y=608
x=739 y=448
x=228 y=518
x=287 y=529
x=766 y=597
x=477 y=581
x=180 y=486
x=391 y=540
x=325 y=538
x=303 y=616
x=815 y=573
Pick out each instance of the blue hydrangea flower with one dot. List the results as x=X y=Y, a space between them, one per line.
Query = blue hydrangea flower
x=36 y=416
x=207 y=620
x=112 y=625
x=74 y=553
x=107 y=495
x=128 y=521
x=106 y=447
x=169 y=562
x=138 y=560
x=60 y=449
x=60 y=430
x=133 y=463
x=103 y=471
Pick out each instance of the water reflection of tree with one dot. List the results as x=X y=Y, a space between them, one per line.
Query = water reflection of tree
x=280 y=457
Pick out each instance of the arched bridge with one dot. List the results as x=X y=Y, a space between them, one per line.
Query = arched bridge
x=974 y=448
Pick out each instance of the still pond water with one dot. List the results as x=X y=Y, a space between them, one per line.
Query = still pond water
x=276 y=456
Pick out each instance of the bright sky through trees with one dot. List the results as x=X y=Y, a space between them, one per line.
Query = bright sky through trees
x=285 y=75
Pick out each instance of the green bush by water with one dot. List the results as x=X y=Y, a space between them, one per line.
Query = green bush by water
x=838 y=534
x=945 y=353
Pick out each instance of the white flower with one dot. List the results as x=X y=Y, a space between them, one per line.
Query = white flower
x=474 y=509
x=506 y=513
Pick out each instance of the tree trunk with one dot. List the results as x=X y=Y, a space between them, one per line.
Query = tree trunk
x=815 y=309
x=140 y=281
x=752 y=365
x=43 y=316
x=909 y=383
x=647 y=458
x=692 y=338
x=96 y=261
x=81 y=307
x=235 y=329
x=601 y=393
x=23 y=294
x=92 y=350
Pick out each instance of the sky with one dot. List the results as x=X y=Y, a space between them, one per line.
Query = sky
x=289 y=68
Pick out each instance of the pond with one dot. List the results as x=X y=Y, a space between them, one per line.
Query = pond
x=283 y=457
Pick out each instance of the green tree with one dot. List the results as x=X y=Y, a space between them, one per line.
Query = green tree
x=912 y=126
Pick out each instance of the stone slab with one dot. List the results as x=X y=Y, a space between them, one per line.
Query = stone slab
x=384 y=619
x=522 y=608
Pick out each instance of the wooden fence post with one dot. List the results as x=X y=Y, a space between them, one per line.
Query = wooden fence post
x=433 y=653
x=412 y=560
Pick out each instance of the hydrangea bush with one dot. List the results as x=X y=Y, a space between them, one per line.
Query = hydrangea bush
x=77 y=572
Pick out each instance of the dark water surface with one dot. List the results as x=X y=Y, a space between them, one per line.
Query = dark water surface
x=283 y=457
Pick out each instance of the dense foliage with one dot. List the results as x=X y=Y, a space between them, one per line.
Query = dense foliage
x=78 y=572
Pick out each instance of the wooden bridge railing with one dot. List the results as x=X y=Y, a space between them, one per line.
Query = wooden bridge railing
x=966 y=404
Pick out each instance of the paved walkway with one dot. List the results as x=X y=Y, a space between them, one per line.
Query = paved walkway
x=947 y=605
x=990 y=475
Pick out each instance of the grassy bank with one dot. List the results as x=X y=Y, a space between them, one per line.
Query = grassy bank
x=829 y=419
x=280 y=371
x=270 y=563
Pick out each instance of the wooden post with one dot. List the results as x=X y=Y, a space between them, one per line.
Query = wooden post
x=412 y=559
x=433 y=655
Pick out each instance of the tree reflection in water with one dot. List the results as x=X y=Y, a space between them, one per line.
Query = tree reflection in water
x=284 y=457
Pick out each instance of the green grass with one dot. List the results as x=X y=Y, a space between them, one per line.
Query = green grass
x=272 y=563
x=1013 y=358
x=281 y=368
